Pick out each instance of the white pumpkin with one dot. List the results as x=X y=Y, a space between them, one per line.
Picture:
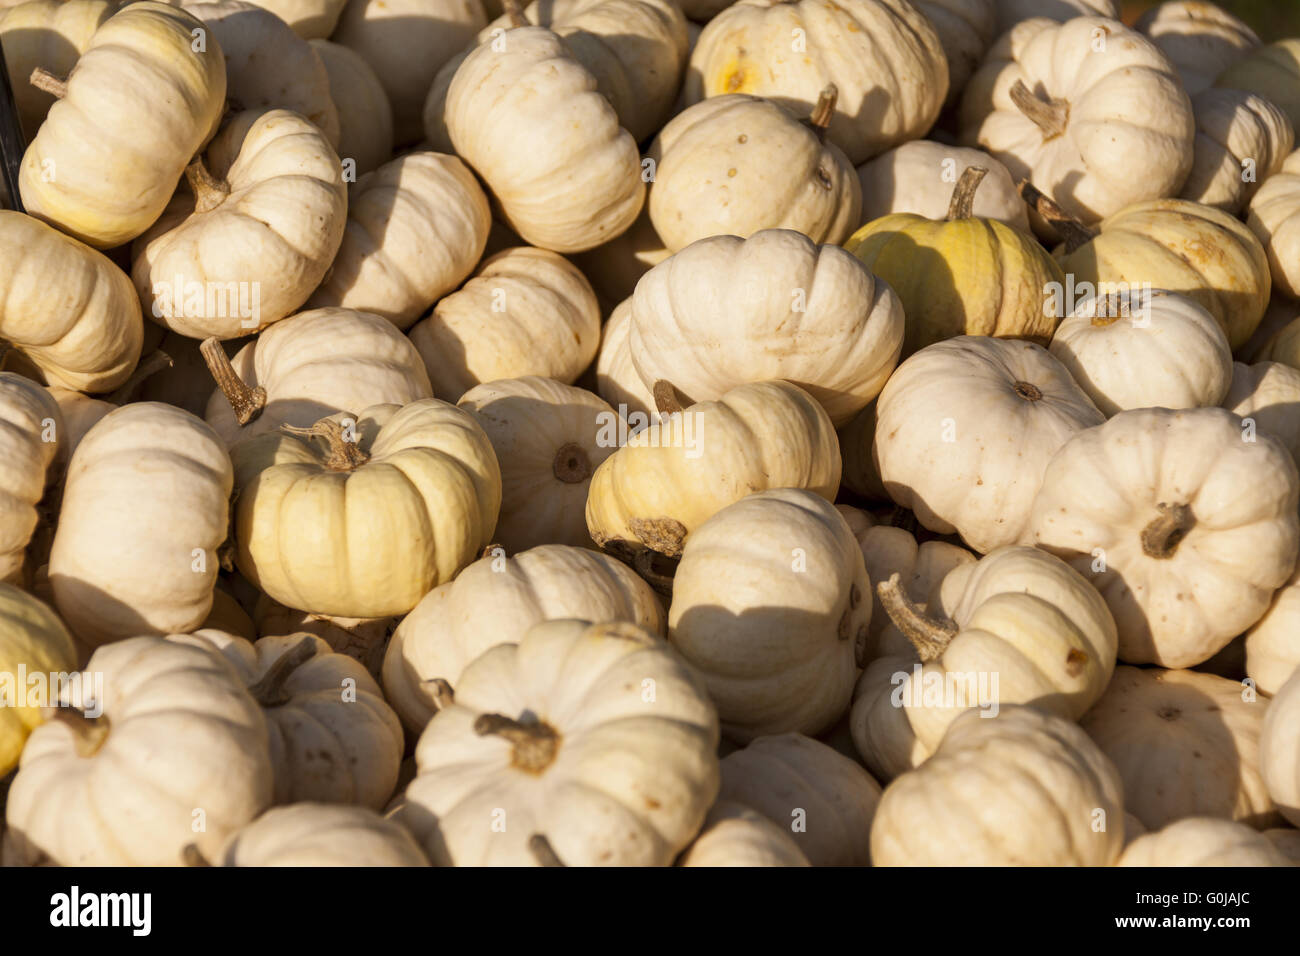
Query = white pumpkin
x=31 y=432
x=883 y=56
x=1020 y=789
x=1200 y=39
x=1186 y=744
x=965 y=29
x=526 y=311
x=1279 y=746
x=726 y=310
x=363 y=639
x=80 y=414
x=549 y=438
x=1241 y=140
x=1272 y=72
x=824 y=799
x=917 y=178
x=774 y=632
x=617 y=381
x=1088 y=110
x=145 y=508
x=1275 y=218
x=321 y=834
x=557 y=734
x=965 y=429
x=1149 y=508
x=309 y=366
x=365 y=115
x=496 y=600
x=574 y=180
x=1203 y=841
x=736 y=164
x=254 y=235
x=175 y=734
x=1267 y=397
x=416 y=229
x=735 y=835
x=1166 y=352
x=1273 y=643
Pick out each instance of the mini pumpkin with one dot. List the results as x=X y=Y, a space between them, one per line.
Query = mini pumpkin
x=1266 y=396
x=140 y=71
x=1273 y=642
x=735 y=835
x=965 y=28
x=361 y=515
x=321 y=834
x=252 y=238
x=365 y=115
x=33 y=644
x=527 y=741
x=1274 y=216
x=1200 y=39
x=80 y=414
x=775 y=628
x=1279 y=745
x=1241 y=140
x=1272 y=72
x=1140 y=506
x=31 y=433
x=1203 y=841
x=496 y=600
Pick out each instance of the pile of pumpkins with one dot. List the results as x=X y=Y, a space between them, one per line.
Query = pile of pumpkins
x=649 y=432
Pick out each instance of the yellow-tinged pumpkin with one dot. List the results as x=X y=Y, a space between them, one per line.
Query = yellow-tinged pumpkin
x=33 y=643
x=31 y=436
x=1203 y=841
x=360 y=516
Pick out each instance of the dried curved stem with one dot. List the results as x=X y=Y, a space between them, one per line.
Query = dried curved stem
x=1075 y=233
x=534 y=744
x=269 y=690
x=930 y=636
x=89 y=732
x=209 y=192
x=824 y=111
x=1051 y=116
x=667 y=401
x=247 y=403
x=514 y=11
x=962 y=204
x=43 y=79
x=343 y=455
x=1161 y=537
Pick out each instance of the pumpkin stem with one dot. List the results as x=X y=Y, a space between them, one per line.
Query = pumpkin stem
x=1075 y=233
x=667 y=401
x=209 y=191
x=515 y=13
x=822 y=113
x=490 y=550
x=646 y=563
x=191 y=855
x=571 y=464
x=150 y=365
x=1028 y=391
x=246 y=402
x=542 y=851
x=1051 y=116
x=1160 y=538
x=43 y=79
x=962 y=204
x=930 y=636
x=269 y=690
x=88 y=732
x=439 y=692
x=344 y=455
x=535 y=744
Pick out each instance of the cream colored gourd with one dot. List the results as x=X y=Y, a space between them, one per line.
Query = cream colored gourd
x=1274 y=217
x=1186 y=744
x=554 y=732
x=1045 y=91
x=617 y=381
x=1200 y=39
x=725 y=311
x=549 y=438
x=1279 y=746
x=1141 y=507
x=365 y=115
x=917 y=177
x=80 y=414
x=965 y=29
x=496 y=600
x=259 y=228
x=333 y=738
x=735 y=835
x=145 y=508
x=1021 y=789
x=1183 y=247
x=775 y=635
x=362 y=520
x=636 y=50
x=309 y=366
x=1158 y=350
x=823 y=799
x=733 y=165
x=615 y=267
x=1267 y=396
x=883 y=56
x=268 y=66
x=1273 y=643
x=1271 y=71
x=406 y=42
x=31 y=434
x=177 y=733
x=1241 y=140
x=319 y=834
x=138 y=72
x=574 y=180
x=965 y=429
x=50 y=35
x=416 y=229
x=1203 y=841
x=33 y=641
x=671 y=477
x=88 y=342
x=1018 y=627
x=524 y=312
x=1011 y=12
x=310 y=19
